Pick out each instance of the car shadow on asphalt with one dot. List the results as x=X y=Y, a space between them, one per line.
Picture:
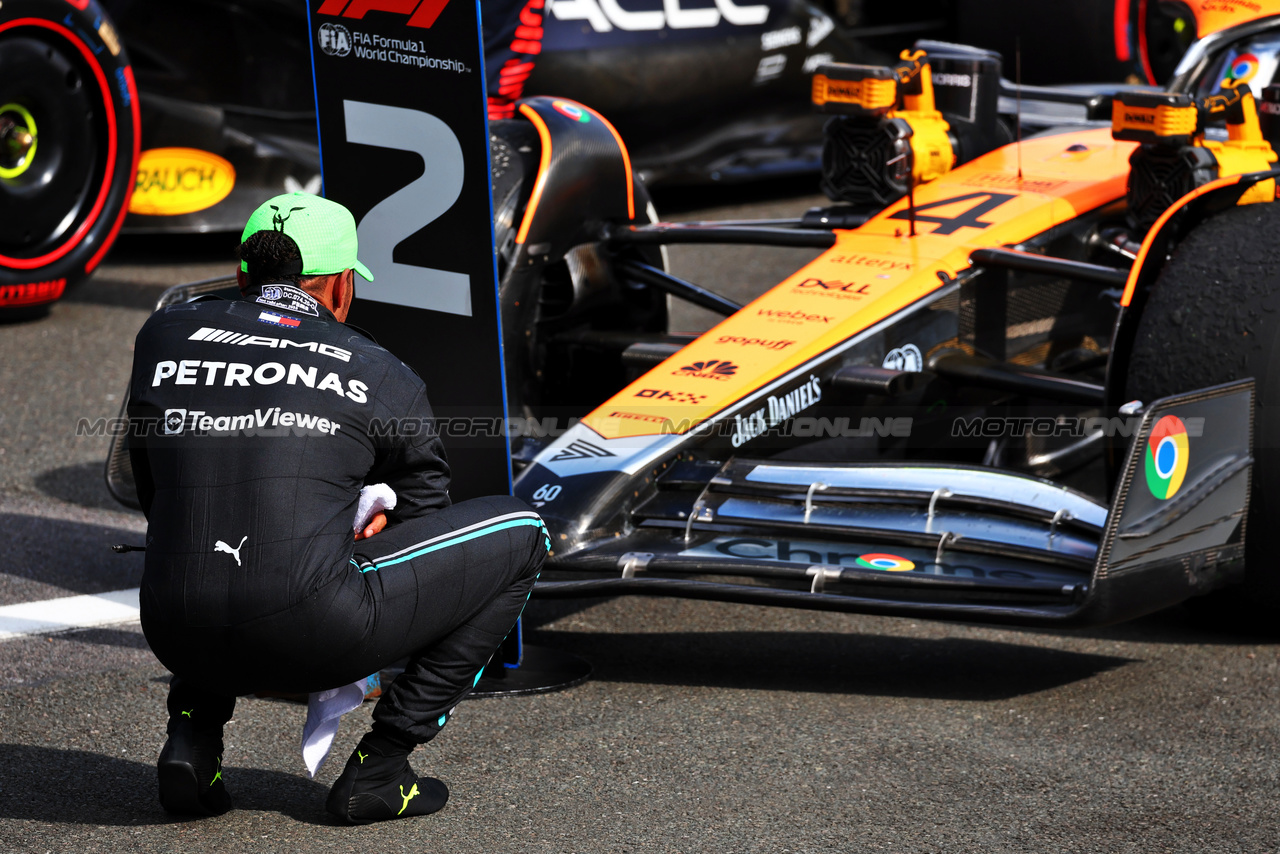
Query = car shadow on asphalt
x=873 y=665
x=117 y=292
x=72 y=556
x=82 y=484
x=79 y=787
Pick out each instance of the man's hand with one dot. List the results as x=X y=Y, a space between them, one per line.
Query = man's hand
x=376 y=524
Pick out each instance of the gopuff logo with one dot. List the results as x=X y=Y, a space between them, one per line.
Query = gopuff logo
x=768 y=344
x=422 y=14
x=174 y=421
x=334 y=39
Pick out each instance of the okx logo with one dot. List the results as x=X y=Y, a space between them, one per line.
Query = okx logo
x=711 y=369
x=421 y=13
x=671 y=396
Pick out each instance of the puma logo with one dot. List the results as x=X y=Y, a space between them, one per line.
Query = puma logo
x=220 y=546
x=413 y=793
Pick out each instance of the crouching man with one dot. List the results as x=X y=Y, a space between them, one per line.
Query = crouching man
x=263 y=409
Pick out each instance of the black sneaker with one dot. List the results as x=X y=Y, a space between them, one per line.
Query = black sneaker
x=374 y=787
x=190 y=772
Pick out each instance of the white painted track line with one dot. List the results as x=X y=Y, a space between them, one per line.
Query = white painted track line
x=70 y=612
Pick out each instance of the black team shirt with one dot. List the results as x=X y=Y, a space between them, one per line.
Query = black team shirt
x=255 y=423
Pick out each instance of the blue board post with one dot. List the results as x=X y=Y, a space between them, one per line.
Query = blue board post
x=404 y=144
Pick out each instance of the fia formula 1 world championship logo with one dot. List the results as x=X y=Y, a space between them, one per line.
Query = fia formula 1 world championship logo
x=334 y=39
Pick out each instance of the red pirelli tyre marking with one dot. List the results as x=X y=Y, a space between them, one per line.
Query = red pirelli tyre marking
x=133 y=170
x=48 y=258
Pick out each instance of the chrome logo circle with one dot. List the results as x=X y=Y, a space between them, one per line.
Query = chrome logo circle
x=573 y=111
x=885 y=563
x=1168 y=454
x=1242 y=69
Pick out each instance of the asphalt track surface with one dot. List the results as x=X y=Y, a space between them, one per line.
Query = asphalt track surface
x=705 y=728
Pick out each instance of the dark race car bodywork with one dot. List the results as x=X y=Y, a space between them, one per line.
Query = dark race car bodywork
x=961 y=407
x=701 y=91
x=904 y=426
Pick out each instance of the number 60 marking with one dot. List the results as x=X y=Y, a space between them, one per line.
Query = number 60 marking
x=547 y=492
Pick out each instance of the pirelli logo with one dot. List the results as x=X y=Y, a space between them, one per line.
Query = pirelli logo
x=31 y=293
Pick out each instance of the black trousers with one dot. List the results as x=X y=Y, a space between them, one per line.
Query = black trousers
x=443 y=590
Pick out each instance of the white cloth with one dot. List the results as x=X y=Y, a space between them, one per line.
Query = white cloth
x=326 y=708
x=374 y=497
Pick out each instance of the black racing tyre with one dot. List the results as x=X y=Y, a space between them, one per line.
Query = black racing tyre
x=1213 y=316
x=69 y=134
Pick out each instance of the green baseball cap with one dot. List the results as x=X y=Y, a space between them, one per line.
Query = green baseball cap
x=324 y=230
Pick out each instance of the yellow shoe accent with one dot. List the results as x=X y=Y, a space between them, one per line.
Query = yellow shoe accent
x=413 y=793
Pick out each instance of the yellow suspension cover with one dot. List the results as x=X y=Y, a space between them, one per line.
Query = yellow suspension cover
x=1245 y=150
x=932 y=153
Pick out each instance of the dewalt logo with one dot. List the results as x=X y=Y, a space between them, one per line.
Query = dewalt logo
x=841 y=90
x=421 y=13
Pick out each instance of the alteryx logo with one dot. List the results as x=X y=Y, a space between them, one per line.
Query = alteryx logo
x=420 y=14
